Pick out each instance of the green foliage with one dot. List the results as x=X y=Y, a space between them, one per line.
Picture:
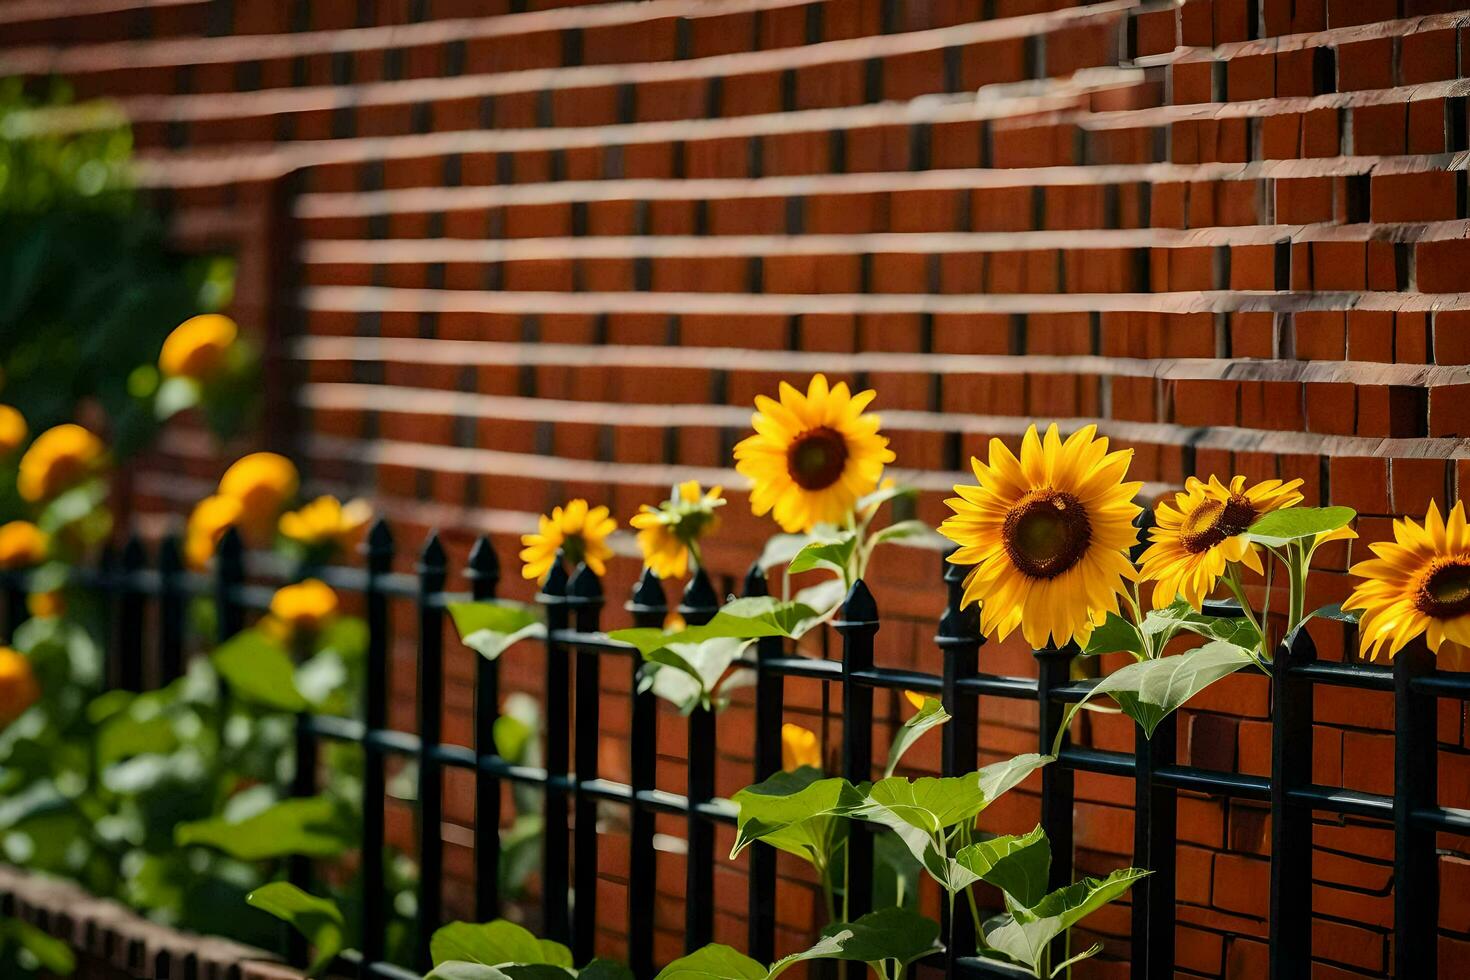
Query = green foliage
x=1150 y=690
x=490 y=627
x=797 y=812
x=1016 y=865
x=259 y=670
x=501 y=949
x=1024 y=935
x=316 y=826
x=26 y=951
x=89 y=287
x=1296 y=523
x=931 y=715
x=319 y=920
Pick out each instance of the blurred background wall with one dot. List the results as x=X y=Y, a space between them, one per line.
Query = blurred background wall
x=503 y=253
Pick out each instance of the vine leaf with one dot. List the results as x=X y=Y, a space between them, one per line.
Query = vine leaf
x=319 y=920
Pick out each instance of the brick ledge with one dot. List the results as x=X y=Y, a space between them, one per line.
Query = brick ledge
x=113 y=942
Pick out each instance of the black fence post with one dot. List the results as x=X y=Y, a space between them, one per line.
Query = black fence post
x=170 y=610
x=585 y=598
x=769 y=695
x=555 y=863
x=858 y=625
x=131 y=607
x=649 y=607
x=699 y=607
x=1053 y=668
x=484 y=576
x=1291 y=820
x=1155 y=824
x=959 y=640
x=432 y=570
x=229 y=573
x=1415 y=787
x=378 y=551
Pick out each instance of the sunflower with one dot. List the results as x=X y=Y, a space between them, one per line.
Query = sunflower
x=1197 y=536
x=799 y=748
x=1047 y=535
x=305 y=606
x=22 y=545
x=669 y=533
x=812 y=456
x=198 y=348
x=47 y=605
x=19 y=688
x=325 y=521
x=59 y=459
x=1419 y=583
x=13 y=429
x=263 y=483
x=208 y=521
x=578 y=529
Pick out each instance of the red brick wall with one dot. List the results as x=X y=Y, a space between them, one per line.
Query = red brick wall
x=555 y=252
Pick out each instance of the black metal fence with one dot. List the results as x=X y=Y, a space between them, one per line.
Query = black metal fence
x=575 y=650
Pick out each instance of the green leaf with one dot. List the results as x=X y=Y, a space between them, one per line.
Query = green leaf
x=495 y=943
x=1115 y=635
x=317 y=919
x=259 y=670
x=714 y=962
x=601 y=969
x=458 y=970
x=902 y=531
x=175 y=395
x=314 y=826
x=884 y=494
x=887 y=934
x=921 y=811
x=796 y=812
x=1294 y=523
x=54 y=955
x=1016 y=865
x=781 y=548
x=1023 y=934
x=1336 y=612
x=489 y=628
x=931 y=715
x=832 y=555
x=1179 y=615
x=1148 y=691
x=696 y=670
x=741 y=619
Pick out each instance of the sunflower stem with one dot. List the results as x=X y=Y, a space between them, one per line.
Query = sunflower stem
x=1237 y=588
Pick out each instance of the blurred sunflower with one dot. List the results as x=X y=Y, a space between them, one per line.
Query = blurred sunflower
x=264 y=483
x=325 y=521
x=208 y=521
x=799 y=747
x=578 y=529
x=812 y=456
x=59 y=459
x=304 y=607
x=22 y=545
x=198 y=348
x=1204 y=530
x=13 y=430
x=1417 y=584
x=1047 y=535
x=669 y=533
x=19 y=688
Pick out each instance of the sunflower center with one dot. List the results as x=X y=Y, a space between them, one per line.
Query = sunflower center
x=1046 y=533
x=574 y=546
x=1215 y=520
x=1445 y=591
x=817 y=457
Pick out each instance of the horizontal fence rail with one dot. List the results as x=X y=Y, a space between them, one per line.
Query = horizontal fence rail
x=577 y=653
